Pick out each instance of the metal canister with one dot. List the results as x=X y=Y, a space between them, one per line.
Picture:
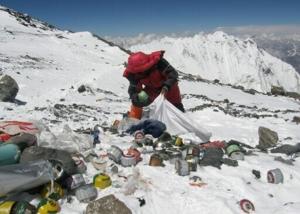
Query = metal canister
x=101 y=181
x=6 y=207
x=100 y=163
x=47 y=206
x=178 y=141
x=22 y=207
x=247 y=206
x=112 y=168
x=139 y=136
x=232 y=148
x=193 y=150
x=192 y=162
x=174 y=154
x=148 y=140
x=275 y=176
x=115 y=154
x=237 y=156
x=128 y=160
x=74 y=181
x=54 y=191
x=86 y=193
x=182 y=167
x=136 y=153
x=160 y=146
x=156 y=160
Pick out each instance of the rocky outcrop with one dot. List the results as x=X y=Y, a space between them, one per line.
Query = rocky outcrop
x=8 y=88
x=107 y=205
x=267 y=138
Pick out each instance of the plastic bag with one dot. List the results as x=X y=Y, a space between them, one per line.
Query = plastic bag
x=19 y=177
x=177 y=122
x=66 y=140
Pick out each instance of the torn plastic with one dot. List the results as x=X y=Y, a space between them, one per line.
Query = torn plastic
x=20 y=177
x=66 y=140
x=177 y=122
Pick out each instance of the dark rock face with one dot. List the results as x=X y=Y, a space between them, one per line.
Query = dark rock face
x=296 y=119
x=267 y=138
x=81 y=89
x=107 y=205
x=277 y=90
x=8 y=88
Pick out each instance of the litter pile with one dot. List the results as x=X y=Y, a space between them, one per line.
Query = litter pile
x=40 y=177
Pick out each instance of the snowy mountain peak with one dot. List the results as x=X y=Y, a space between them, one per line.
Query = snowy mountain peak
x=227 y=58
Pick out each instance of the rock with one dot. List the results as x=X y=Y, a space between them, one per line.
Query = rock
x=8 y=88
x=282 y=160
x=293 y=95
x=287 y=149
x=81 y=89
x=267 y=138
x=296 y=119
x=107 y=205
x=277 y=90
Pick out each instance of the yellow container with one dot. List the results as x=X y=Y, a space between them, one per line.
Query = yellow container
x=178 y=141
x=6 y=207
x=56 y=194
x=48 y=206
x=101 y=181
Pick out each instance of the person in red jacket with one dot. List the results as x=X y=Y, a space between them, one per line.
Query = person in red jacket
x=154 y=75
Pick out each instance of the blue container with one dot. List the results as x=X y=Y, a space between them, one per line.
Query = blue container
x=9 y=154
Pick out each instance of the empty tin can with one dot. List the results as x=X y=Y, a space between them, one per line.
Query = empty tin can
x=275 y=176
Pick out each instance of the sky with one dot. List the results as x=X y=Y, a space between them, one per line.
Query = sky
x=131 y=17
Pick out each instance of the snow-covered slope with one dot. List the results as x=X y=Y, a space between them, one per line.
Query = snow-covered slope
x=227 y=58
x=50 y=64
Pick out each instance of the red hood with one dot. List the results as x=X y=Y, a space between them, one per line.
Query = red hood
x=139 y=62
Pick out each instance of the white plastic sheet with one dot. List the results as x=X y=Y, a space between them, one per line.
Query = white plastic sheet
x=176 y=121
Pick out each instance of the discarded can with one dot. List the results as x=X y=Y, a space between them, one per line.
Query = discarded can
x=192 y=162
x=148 y=140
x=178 y=141
x=6 y=207
x=174 y=154
x=23 y=207
x=57 y=168
x=275 y=176
x=139 y=136
x=128 y=160
x=101 y=181
x=155 y=160
x=193 y=150
x=74 y=181
x=100 y=163
x=54 y=192
x=47 y=206
x=232 y=148
x=237 y=156
x=113 y=168
x=20 y=207
x=136 y=153
x=182 y=167
x=160 y=146
x=86 y=193
x=9 y=154
x=247 y=206
x=115 y=154
x=80 y=165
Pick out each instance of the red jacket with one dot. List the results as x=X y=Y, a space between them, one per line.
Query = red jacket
x=151 y=72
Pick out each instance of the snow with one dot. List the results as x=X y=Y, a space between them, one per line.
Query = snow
x=46 y=67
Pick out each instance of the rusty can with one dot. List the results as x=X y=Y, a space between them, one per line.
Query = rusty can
x=156 y=160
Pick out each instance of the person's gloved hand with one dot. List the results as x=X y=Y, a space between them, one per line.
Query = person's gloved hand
x=164 y=91
x=135 y=101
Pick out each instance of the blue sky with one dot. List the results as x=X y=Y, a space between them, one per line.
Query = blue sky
x=130 y=17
